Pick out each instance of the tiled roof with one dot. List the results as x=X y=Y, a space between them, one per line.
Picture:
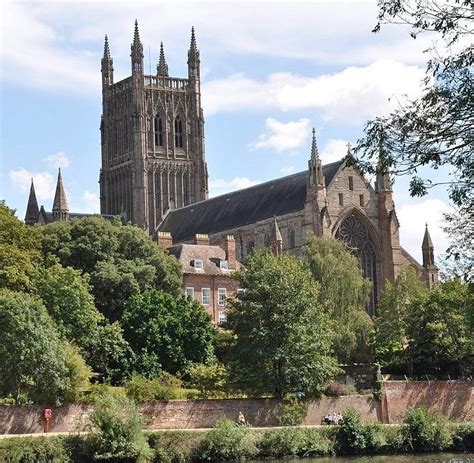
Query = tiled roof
x=274 y=198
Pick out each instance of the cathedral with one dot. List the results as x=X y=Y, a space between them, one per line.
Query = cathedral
x=154 y=174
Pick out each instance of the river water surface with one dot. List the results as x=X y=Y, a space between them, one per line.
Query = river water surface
x=424 y=458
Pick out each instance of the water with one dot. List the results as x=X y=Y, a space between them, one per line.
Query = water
x=424 y=458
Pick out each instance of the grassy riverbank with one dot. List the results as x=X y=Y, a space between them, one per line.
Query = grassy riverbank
x=230 y=442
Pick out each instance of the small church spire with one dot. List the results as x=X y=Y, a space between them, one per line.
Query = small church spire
x=32 y=210
x=427 y=250
x=107 y=67
x=193 y=57
x=276 y=240
x=60 y=205
x=162 y=69
x=315 y=164
x=137 y=51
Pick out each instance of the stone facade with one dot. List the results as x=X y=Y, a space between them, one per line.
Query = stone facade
x=152 y=137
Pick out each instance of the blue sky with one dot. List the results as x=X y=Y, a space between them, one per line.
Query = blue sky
x=270 y=72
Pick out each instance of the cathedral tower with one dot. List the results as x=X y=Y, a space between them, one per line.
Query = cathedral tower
x=152 y=139
x=429 y=265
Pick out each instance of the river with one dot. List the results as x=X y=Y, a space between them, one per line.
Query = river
x=422 y=458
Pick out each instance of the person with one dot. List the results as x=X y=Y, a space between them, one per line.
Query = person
x=241 y=420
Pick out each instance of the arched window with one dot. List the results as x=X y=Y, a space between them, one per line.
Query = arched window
x=178 y=133
x=291 y=238
x=356 y=237
x=158 y=131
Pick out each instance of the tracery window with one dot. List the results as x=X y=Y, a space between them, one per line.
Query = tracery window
x=178 y=133
x=158 y=131
x=356 y=237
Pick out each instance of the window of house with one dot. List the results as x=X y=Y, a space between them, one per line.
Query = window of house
x=341 y=199
x=158 y=131
x=190 y=292
x=197 y=263
x=178 y=133
x=361 y=200
x=351 y=183
x=222 y=317
x=222 y=295
x=206 y=296
x=223 y=264
x=239 y=292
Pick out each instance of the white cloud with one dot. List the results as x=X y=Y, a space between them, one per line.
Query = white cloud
x=413 y=216
x=282 y=136
x=334 y=150
x=288 y=170
x=220 y=186
x=90 y=203
x=354 y=94
x=58 y=160
x=43 y=181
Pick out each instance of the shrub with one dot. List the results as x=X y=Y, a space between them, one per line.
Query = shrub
x=463 y=437
x=336 y=389
x=117 y=432
x=426 y=431
x=356 y=437
x=33 y=449
x=292 y=412
x=142 y=390
x=174 y=446
x=228 y=441
x=209 y=380
x=300 y=442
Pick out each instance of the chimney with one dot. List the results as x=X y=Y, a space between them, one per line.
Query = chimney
x=201 y=239
x=229 y=248
x=165 y=239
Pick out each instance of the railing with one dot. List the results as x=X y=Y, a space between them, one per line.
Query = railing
x=166 y=82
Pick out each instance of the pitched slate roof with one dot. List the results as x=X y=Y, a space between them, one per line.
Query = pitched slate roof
x=238 y=208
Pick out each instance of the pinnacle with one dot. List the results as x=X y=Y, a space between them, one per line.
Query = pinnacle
x=162 y=66
x=276 y=234
x=32 y=210
x=314 y=146
x=60 y=199
x=427 y=243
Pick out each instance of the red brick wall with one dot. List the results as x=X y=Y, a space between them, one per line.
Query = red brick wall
x=455 y=400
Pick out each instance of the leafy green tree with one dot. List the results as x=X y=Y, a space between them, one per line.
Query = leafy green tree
x=79 y=373
x=210 y=380
x=121 y=260
x=283 y=338
x=436 y=129
x=439 y=334
x=32 y=354
x=167 y=333
x=19 y=251
x=343 y=293
x=391 y=321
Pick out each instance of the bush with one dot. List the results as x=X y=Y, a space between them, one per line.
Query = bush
x=463 y=437
x=117 y=432
x=209 y=380
x=356 y=437
x=142 y=390
x=426 y=431
x=228 y=441
x=292 y=412
x=33 y=449
x=336 y=389
x=302 y=442
x=174 y=446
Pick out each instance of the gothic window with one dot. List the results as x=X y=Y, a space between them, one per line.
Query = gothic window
x=351 y=183
x=341 y=199
x=361 y=200
x=178 y=133
x=356 y=237
x=158 y=131
x=291 y=238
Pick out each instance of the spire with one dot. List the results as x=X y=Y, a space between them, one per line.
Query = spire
x=106 y=49
x=193 y=57
x=427 y=250
x=427 y=243
x=162 y=69
x=316 y=177
x=32 y=210
x=276 y=240
x=60 y=206
x=137 y=51
x=107 y=67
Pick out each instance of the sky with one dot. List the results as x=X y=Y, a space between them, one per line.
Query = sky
x=270 y=71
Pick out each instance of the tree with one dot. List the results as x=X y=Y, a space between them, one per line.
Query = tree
x=121 y=260
x=343 y=293
x=391 y=321
x=282 y=337
x=167 y=333
x=19 y=251
x=437 y=129
x=32 y=354
x=439 y=330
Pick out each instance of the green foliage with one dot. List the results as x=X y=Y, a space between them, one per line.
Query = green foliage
x=32 y=353
x=175 y=446
x=19 y=251
x=141 y=389
x=78 y=373
x=33 y=449
x=210 y=380
x=426 y=431
x=283 y=343
x=117 y=434
x=120 y=260
x=463 y=437
x=228 y=441
x=292 y=412
x=356 y=437
x=223 y=342
x=343 y=293
x=301 y=442
x=167 y=332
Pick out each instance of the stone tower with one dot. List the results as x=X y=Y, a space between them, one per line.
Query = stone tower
x=32 y=209
x=427 y=250
x=152 y=138
x=60 y=205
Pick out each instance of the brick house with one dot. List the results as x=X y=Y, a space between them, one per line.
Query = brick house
x=207 y=271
